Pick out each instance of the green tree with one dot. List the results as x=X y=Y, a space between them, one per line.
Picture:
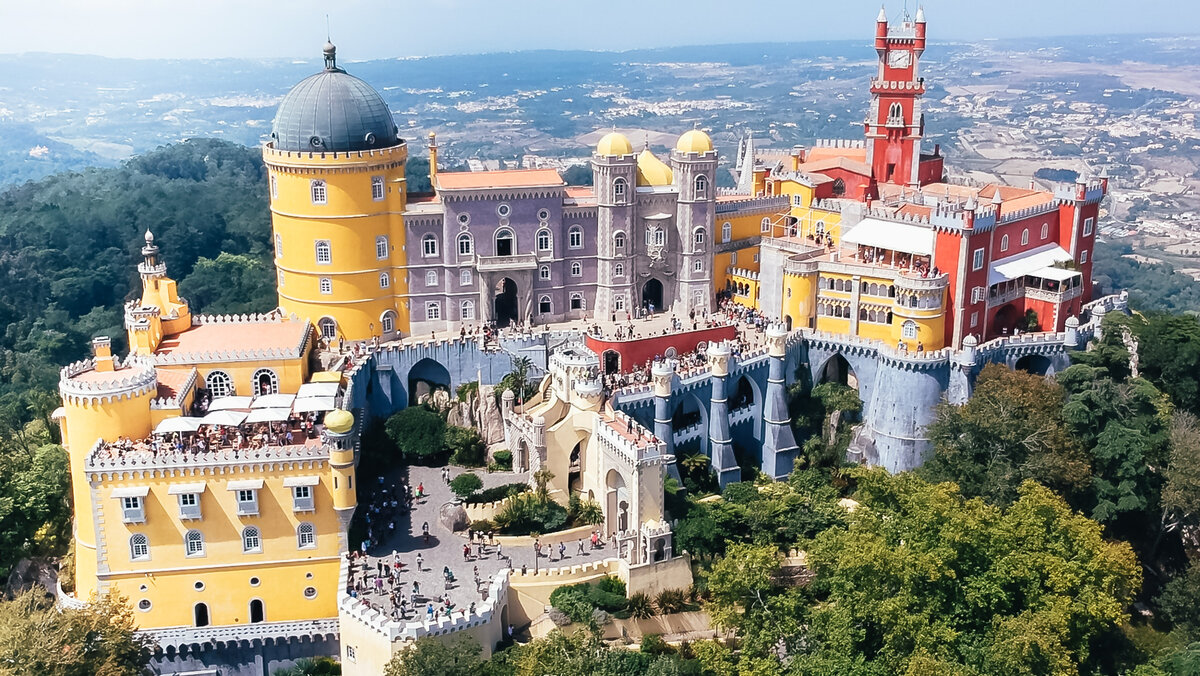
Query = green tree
x=1181 y=487
x=1169 y=348
x=99 y=639
x=465 y=445
x=310 y=666
x=466 y=484
x=417 y=430
x=457 y=656
x=1179 y=601
x=230 y=284
x=517 y=380
x=34 y=514
x=745 y=597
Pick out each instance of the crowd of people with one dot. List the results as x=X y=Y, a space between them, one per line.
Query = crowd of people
x=296 y=430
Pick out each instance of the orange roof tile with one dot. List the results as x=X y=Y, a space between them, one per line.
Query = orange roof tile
x=222 y=342
x=855 y=166
x=853 y=154
x=580 y=191
x=914 y=210
x=172 y=381
x=509 y=178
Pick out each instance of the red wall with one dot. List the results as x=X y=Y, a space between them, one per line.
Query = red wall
x=635 y=353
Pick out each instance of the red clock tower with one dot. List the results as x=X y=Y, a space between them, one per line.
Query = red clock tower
x=895 y=124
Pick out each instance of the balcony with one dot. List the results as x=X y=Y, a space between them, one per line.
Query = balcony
x=505 y=263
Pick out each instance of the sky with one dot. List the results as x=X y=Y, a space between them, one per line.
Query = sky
x=395 y=28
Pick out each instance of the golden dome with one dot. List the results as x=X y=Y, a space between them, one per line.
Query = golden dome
x=614 y=143
x=339 y=421
x=653 y=171
x=694 y=141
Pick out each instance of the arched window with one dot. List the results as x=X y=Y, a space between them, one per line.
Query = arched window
x=839 y=187
x=544 y=273
x=839 y=285
x=328 y=326
x=193 y=543
x=766 y=225
x=895 y=114
x=619 y=270
x=381 y=247
x=139 y=547
x=1025 y=237
x=385 y=280
x=1045 y=230
x=726 y=231
x=619 y=241
x=278 y=245
x=266 y=382
x=909 y=330
x=701 y=187
x=576 y=269
x=575 y=237
x=376 y=188
x=200 y=614
x=1004 y=243
x=820 y=227
x=619 y=190
x=862 y=314
x=324 y=252
x=317 y=188
x=698 y=237
x=429 y=246
x=464 y=245
x=274 y=187
x=464 y=277
x=306 y=536
x=388 y=321
x=577 y=301
x=219 y=383
x=326 y=285
x=433 y=311
x=431 y=278
x=257 y=614
x=506 y=244
x=544 y=305
x=543 y=240
x=466 y=310
x=251 y=541
x=698 y=266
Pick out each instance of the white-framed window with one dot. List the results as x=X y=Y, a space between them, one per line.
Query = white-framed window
x=1025 y=237
x=974 y=319
x=506 y=242
x=1004 y=243
x=324 y=252
x=306 y=536
x=543 y=240
x=251 y=540
x=726 y=231
x=218 y=383
x=465 y=245
x=657 y=236
x=1083 y=257
x=429 y=246
x=1045 y=230
x=274 y=187
x=265 y=381
x=132 y=509
x=350 y=654
x=544 y=273
x=431 y=278
x=544 y=305
x=504 y=210
x=575 y=237
x=139 y=547
x=247 y=501
x=755 y=258
x=381 y=247
x=698 y=237
x=385 y=280
x=698 y=266
x=733 y=258
x=326 y=285
x=388 y=321
x=909 y=329
x=1087 y=226
x=377 y=188
x=619 y=302
x=466 y=310
x=619 y=186
x=701 y=187
x=189 y=506
x=464 y=218
x=302 y=498
x=619 y=241
x=279 y=277
x=576 y=269
x=278 y=245
x=820 y=227
x=576 y=301
x=328 y=326
x=797 y=201
x=977 y=260
x=619 y=270
x=765 y=226
x=543 y=215
x=193 y=543
x=978 y=294
x=465 y=278
x=317 y=189
x=433 y=311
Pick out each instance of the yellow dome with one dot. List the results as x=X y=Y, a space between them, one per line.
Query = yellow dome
x=653 y=171
x=614 y=143
x=694 y=141
x=339 y=421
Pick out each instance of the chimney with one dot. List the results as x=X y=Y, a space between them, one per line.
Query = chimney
x=102 y=353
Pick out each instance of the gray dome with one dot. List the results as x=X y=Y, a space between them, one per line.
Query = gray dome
x=333 y=111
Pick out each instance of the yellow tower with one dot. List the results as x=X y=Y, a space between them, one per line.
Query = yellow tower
x=102 y=399
x=337 y=187
x=160 y=311
x=339 y=424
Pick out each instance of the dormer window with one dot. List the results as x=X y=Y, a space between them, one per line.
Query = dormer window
x=246 y=495
x=302 y=492
x=188 y=497
x=133 y=503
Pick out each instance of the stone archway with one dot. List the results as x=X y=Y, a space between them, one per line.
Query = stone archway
x=617 y=508
x=1037 y=364
x=652 y=295
x=612 y=362
x=838 y=370
x=426 y=377
x=506 y=309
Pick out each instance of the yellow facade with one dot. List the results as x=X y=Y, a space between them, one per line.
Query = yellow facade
x=340 y=241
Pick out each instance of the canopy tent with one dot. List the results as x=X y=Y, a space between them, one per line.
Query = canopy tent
x=230 y=403
x=1038 y=262
x=268 y=415
x=274 y=401
x=178 y=424
x=317 y=390
x=226 y=418
x=326 y=377
x=308 y=404
x=893 y=236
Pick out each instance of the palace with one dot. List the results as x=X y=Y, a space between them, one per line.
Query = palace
x=213 y=468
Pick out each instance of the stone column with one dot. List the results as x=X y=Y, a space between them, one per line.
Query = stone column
x=720 y=440
x=779 y=448
x=663 y=374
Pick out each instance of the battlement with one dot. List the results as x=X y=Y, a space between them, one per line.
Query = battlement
x=627 y=439
x=1028 y=212
x=1087 y=189
x=742 y=273
x=273 y=317
x=839 y=143
x=601 y=567
x=288 y=158
x=106 y=457
x=80 y=382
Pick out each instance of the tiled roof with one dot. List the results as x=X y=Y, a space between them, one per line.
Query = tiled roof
x=854 y=166
x=228 y=341
x=510 y=178
x=822 y=153
x=581 y=191
x=172 y=381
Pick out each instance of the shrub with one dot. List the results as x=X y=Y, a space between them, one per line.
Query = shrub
x=558 y=617
x=653 y=644
x=498 y=493
x=466 y=446
x=525 y=514
x=503 y=458
x=671 y=601
x=418 y=431
x=639 y=606
x=583 y=512
x=467 y=391
x=572 y=601
x=482 y=526
x=612 y=585
x=465 y=484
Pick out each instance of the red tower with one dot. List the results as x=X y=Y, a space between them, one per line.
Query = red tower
x=895 y=125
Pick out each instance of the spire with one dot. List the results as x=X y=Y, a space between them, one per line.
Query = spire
x=746 y=168
x=996 y=198
x=920 y=14
x=882 y=18
x=330 y=56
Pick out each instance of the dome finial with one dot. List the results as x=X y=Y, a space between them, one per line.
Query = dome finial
x=149 y=237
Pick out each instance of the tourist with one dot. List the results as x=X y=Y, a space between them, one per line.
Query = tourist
x=581 y=552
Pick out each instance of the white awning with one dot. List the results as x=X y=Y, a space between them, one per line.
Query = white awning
x=307 y=404
x=268 y=415
x=178 y=424
x=1057 y=274
x=1028 y=263
x=301 y=481
x=274 y=401
x=230 y=403
x=891 y=235
x=245 y=485
x=131 y=492
x=183 y=489
x=317 y=390
x=226 y=418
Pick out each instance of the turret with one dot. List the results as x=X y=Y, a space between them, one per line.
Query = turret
x=919 y=29
x=1071 y=339
x=881 y=29
x=779 y=442
x=614 y=174
x=663 y=375
x=720 y=440
x=433 y=158
x=694 y=166
x=339 y=434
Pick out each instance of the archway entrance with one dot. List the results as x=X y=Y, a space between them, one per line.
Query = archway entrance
x=1005 y=321
x=575 y=476
x=612 y=361
x=505 y=303
x=1037 y=364
x=200 y=614
x=652 y=296
x=838 y=370
x=426 y=377
x=616 y=514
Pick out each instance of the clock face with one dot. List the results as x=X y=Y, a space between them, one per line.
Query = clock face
x=899 y=59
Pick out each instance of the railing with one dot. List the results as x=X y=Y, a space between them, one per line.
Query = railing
x=177 y=636
x=107 y=458
x=500 y=263
x=1007 y=296
x=917 y=282
x=1053 y=296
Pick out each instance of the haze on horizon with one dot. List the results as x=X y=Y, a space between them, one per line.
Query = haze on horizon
x=296 y=29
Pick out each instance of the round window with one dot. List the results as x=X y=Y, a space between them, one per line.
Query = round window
x=308 y=576
x=310 y=592
x=464 y=218
x=199 y=585
x=504 y=210
x=543 y=214
x=254 y=582
x=144 y=605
